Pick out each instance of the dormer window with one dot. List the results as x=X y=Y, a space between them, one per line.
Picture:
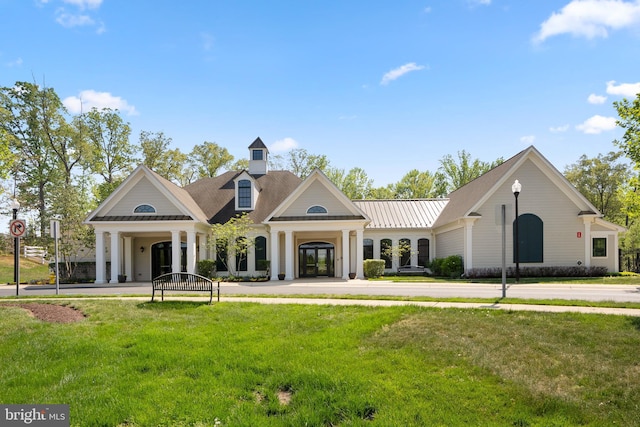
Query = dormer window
x=244 y=194
x=144 y=209
x=317 y=210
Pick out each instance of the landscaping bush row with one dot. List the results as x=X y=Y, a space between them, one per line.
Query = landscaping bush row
x=560 y=271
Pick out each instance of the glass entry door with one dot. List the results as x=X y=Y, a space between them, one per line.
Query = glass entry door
x=161 y=255
x=316 y=259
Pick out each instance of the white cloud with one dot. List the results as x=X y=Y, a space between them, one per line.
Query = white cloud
x=285 y=144
x=70 y=20
x=15 y=63
x=597 y=124
x=207 y=41
x=88 y=99
x=590 y=19
x=528 y=139
x=85 y=4
x=399 y=72
x=480 y=2
x=596 y=99
x=559 y=129
x=623 y=89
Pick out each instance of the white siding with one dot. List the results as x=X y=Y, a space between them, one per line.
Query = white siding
x=317 y=194
x=450 y=243
x=144 y=192
x=539 y=196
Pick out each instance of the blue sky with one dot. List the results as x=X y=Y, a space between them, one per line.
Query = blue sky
x=388 y=86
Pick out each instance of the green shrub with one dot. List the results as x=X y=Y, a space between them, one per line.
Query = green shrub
x=373 y=267
x=207 y=268
x=451 y=266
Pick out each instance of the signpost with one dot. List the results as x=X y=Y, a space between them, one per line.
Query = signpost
x=17 y=228
x=55 y=233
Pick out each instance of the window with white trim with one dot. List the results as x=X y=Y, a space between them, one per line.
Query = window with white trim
x=599 y=247
x=144 y=209
x=317 y=210
x=244 y=193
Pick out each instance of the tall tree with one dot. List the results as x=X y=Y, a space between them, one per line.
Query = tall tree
x=208 y=158
x=416 y=185
x=355 y=184
x=24 y=109
x=111 y=156
x=629 y=113
x=168 y=163
x=300 y=162
x=600 y=180
x=455 y=174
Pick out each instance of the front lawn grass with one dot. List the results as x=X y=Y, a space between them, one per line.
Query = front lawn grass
x=242 y=364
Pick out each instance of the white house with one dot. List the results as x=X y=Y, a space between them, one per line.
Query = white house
x=309 y=228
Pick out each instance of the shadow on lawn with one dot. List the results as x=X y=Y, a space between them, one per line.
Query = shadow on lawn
x=171 y=305
x=635 y=321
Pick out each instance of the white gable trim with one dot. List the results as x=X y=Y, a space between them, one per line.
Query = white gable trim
x=316 y=176
x=128 y=184
x=549 y=170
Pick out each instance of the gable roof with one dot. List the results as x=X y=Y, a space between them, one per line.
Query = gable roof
x=317 y=176
x=216 y=195
x=258 y=144
x=468 y=198
x=178 y=196
x=385 y=214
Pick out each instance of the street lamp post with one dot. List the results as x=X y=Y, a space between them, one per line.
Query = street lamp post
x=16 y=249
x=516 y=188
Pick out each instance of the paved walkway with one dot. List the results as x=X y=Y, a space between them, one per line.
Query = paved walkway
x=438 y=304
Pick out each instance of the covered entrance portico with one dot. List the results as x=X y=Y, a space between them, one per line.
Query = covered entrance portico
x=141 y=251
x=323 y=249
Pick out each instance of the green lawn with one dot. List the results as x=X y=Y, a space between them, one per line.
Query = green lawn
x=30 y=271
x=190 y=364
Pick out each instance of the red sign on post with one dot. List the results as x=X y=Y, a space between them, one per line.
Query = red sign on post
x=17 y=227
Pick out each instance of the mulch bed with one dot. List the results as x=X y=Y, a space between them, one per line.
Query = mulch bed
x=50 y=312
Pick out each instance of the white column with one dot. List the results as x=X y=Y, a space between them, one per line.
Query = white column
x=274 y=244
x=468 y=244
x=432 y=247
x=115 y=256
x=202 y=245
x=288 y=255
x=127 y=256
x=587 y=242
x=616 y=252
x=100 y=261
x=176 y=252
x=359 y=254
x=191 y=251
x=345 y=254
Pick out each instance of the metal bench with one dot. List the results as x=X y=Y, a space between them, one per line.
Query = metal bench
x=185 y=282
x=408 y=270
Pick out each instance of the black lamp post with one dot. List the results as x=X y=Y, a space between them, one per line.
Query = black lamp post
x=16 y=249
x=516 y=188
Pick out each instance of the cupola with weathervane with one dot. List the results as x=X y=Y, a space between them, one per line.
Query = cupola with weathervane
x=258 y=153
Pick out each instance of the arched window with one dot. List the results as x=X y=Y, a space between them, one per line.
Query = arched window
x=385 y=252
x=241 y=254
x=367 y=246
x=260 y=249
x=405 y=252
x=530 y=236
x=244 y=193
x=144 y=209
x=316 y=209
x=423 y=252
